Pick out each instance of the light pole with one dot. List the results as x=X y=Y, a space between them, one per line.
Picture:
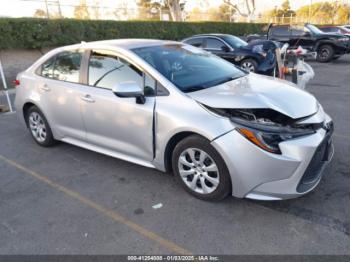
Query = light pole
x=309 y=12
x=47 y=10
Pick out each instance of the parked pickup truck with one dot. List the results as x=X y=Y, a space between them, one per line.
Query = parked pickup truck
x=328 y=46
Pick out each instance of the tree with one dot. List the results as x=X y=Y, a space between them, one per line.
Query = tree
x=323 y=12
x=285 y=10
x=249 y=8
x=282 y=14
x=226 y=12
x=39 y=13
x=81 y=11
x=343 y=14
x=175 y=8
x=96 y=10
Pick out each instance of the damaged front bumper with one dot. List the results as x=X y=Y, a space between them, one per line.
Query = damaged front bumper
x=258 y=174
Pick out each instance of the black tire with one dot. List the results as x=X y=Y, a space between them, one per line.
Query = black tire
x=223 y=188
x=49 y=139
x=249 y=61
x=325 y=53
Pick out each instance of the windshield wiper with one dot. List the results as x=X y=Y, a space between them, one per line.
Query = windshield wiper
x=227 y=79
x=210 y=84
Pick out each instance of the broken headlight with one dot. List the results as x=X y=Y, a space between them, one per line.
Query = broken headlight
x=266 y=134
x=264 y=127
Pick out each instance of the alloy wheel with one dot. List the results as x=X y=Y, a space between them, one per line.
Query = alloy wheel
x=248 y=66
x=37 y=127
x=199 y=171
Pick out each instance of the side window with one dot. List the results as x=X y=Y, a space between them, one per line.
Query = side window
x=106 y=71
x=197 y=42
x=47 y=68
x=297 y=32
x=67 y=67
x=326 y=29
x=280 y=31
x=214 y=44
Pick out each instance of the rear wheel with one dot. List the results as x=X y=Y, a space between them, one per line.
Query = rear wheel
x=325 y=53
x=250 y=65
x=39 y=127
x=200 y=169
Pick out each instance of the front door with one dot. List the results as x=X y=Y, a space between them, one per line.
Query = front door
x=219 y=48
x=118 y=123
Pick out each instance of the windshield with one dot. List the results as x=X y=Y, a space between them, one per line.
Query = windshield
x=346 y=29
x=187 y=67
x=234 y=41
x=314 y=29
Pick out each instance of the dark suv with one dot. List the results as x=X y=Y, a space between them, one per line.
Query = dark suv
x=258 y=57
x=327 y=45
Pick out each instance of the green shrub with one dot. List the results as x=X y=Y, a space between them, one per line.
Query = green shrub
x=33 y=33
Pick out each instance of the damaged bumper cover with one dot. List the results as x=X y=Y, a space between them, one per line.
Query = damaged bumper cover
x=259 y=174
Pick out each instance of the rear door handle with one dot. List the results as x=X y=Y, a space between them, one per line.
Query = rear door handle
x=88 y=98
x=45 y=87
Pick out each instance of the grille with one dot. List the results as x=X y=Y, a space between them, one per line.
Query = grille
x=313 y=172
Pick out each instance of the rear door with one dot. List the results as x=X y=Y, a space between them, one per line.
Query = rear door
x=60 y=91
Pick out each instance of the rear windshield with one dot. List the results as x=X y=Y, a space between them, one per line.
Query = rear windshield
x=189 y=68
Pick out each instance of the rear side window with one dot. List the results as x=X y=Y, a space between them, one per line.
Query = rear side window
x=67 y=67
x=213 y=43
x=326 y=29
x=197 y=42
x=281 y=30
x=297 y=32
x=47 y=67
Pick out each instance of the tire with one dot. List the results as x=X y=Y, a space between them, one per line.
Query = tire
x=325 y=53
x=249 y=64
x=217 y=181
x=39 y=127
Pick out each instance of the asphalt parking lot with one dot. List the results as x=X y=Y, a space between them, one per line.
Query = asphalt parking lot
x=67 y=200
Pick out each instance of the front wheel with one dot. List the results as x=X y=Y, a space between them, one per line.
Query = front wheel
x=200 y=169
x=39 y=127
x=325 y=53
x=249 y=65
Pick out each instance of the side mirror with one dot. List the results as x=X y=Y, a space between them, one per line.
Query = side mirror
x=225 y=48
x=129 y=89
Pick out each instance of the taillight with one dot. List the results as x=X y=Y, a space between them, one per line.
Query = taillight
x=16 y=82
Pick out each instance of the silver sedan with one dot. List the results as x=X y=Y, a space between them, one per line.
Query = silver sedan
x=173 y=107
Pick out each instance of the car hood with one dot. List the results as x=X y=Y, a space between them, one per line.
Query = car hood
x=256 y=91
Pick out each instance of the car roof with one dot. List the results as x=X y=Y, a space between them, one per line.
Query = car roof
x=211 y=34
x=125 y=43
x=324 y=26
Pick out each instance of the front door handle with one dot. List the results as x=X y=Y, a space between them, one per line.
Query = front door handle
x=87 y=98
x=45 y=87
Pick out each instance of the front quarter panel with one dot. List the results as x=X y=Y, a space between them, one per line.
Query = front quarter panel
x=179 y=113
